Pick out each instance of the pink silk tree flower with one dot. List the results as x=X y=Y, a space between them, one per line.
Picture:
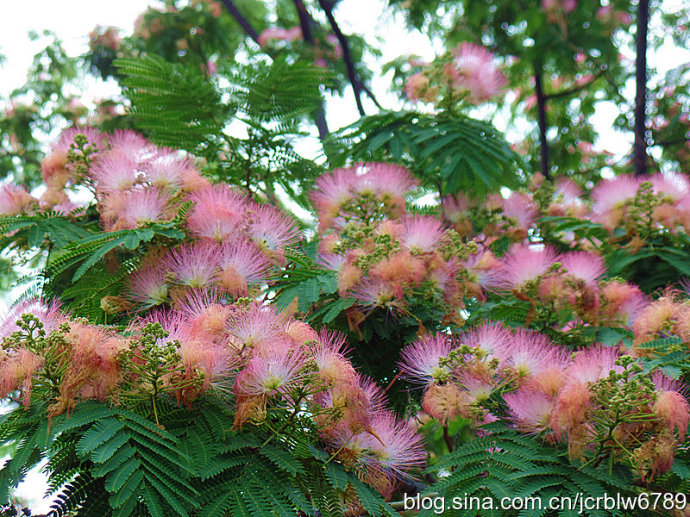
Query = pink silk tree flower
x=475 y=72
x=420 y=361
x=530 y=410
x=218 y=214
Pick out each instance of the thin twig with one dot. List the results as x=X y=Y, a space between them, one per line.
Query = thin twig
x=640 y=144
x=574 y=89
x=356 y=83
x=244 y=23
x=306 y=22
x=541 y=106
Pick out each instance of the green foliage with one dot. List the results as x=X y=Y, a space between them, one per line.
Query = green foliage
x=307 y=282
x=280 y=92
x=180 y=107
x=668 y=355
x=650 y=267
x=86 y=270
x=34 y=230
x=174 y=105
x=553 y=228
x=115 y=460
x=504 y=463
x=463 y=154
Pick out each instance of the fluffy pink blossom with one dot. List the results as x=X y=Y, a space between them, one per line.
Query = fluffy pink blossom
x=593 y=364
x=241 y=265
x=273 y=372
x=422 y=233
x=218 y=213
x=17 y=368
x=493 y=337
x=475 y=71
x=115 y=172
x=93 y=369
x=373 y=393
x=567 y=6
x=137 y=208
x=280 y=34
x=130 y=143
x=521 y=209
x=388 y=183
x=415 y=85
x=376 y=292
x=584 y=266
x=393 y=443
x=197 y=301
x=207 y=312
x=54 y=168
x=524 y=263
x=167 y=169
x=271 y=229
x=332 y=190
x=567 y=199
x=420 y=361
x=609 y=197
x=198 y=353
x=530 y=353
x=484 y=269
x=147 y=285
x=477 y=386
x=14 y=199
x=530 y=410
x=329 y=357
x=390 y=444
x=193 y=265
x=673 y=410
x=623 y=301
x=257 y=326
x=663 y=382
x=48 y=313
x=672 y=185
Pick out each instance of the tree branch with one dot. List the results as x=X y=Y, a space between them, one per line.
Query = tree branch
x=640 y=145
x=541 y=106
x=244 y=23
x=356 y=83
x=668 y=143
x=574 y=89
x=306 y=21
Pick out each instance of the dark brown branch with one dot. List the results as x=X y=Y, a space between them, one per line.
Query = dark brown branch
x=574 y=89
x=244 y=23
x=669 y=143
x=541 y=107
x=306 y=22
x=447 y=439
x=370 y=94
x=327 y=6
x=640 y=145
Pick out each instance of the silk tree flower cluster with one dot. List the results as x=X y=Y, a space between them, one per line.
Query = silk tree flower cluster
x=133 y=181
x=236 y=241
x=238 y=245
x=383 y=255
x=470 y=73
x=597 y=401
x=276 y=371
x=570 y=285
x=667 y=316
x=631 y=209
